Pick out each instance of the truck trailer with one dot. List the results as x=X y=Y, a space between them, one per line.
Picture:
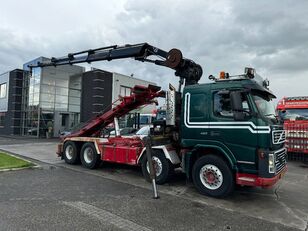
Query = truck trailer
x=294 y=112
x=221 y=133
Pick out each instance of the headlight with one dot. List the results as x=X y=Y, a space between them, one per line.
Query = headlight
x=271 y=163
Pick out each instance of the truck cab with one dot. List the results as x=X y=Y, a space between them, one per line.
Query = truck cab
x=231 y=135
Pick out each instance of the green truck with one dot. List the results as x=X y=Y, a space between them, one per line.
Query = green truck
x=231 y=135
x=221 y=134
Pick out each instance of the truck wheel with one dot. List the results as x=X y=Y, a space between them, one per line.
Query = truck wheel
x=212 y=176
x=71 y=153
x=163 y=167
x=89 y=157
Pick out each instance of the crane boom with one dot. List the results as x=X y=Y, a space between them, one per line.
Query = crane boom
x=140 y=96
x=186 y=69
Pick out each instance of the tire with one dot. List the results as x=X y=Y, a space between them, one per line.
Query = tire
x=71 y=153
x=212 y=176
x=165 y=168
x=89 y=157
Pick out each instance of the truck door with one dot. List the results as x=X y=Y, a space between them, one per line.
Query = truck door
x=239 y=136
x=195 y=118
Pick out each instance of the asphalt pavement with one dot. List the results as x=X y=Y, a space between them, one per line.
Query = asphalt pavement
x=58 y=196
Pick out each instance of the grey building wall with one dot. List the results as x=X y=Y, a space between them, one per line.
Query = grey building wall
x=101 y=88
x=120 y=81
x=12 y=123
x=125 y=81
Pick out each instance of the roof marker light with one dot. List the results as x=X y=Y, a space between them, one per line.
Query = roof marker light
x=222 y=75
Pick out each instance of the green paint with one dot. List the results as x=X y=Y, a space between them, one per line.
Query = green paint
x=238 y=141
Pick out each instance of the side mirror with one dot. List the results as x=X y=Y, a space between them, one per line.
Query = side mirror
x=282 y=115
x=237 y=105
x=236 y=101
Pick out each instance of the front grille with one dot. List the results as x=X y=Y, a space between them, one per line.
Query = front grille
x=279 y=136
x=280 y=159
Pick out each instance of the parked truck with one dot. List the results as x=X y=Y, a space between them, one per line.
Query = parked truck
x=221 y=133
x=294 y=112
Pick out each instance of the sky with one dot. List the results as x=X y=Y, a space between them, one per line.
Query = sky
x=271 y=36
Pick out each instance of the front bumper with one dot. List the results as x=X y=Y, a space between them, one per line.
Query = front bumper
x=255 y=180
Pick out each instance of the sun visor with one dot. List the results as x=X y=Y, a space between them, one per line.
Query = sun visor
x=257 y=87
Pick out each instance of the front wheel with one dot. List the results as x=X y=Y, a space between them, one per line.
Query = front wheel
x=89 y=157
x=212 y=176
x=162 y=166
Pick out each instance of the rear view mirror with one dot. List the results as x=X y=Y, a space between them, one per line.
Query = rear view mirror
x=237 y=105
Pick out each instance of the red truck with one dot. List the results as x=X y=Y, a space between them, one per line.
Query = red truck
x=294 y=112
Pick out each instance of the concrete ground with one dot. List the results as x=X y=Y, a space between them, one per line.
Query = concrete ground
x=117 y=197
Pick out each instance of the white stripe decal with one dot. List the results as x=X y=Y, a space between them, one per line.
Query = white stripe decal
x=220 y=125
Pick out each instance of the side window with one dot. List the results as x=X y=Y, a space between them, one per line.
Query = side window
x=197 y=106
x=125 y=91
x=245 y=104
x=3 y=90
x=222 y=105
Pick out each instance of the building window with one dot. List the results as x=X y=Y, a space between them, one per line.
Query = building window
x=2 y=118
x=125 y=91
x=3 y=90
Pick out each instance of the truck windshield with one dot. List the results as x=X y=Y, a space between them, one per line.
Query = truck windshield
x=265 y=105
x=294 y=114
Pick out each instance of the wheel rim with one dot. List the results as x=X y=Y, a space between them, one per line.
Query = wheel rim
x=88 y=155
x=211 y=177
x=69 y=152
x=158 y=166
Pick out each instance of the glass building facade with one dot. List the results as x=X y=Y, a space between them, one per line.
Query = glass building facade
x=51 y=99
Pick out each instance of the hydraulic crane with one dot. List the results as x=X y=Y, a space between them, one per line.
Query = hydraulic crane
x=83 y=143
x=186 y=69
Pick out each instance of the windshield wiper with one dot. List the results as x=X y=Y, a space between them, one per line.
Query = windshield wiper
x=270 y=114
x=301 y=118
x=274 y=115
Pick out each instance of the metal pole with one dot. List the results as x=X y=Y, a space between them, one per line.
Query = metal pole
x=116 y=126
x=151 y=166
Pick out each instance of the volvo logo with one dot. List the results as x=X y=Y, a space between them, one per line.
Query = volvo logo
x=282 y=136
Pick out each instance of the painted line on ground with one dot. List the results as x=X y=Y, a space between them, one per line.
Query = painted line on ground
x=106 y=216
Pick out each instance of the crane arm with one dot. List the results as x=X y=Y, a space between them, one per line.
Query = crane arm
x=140 y=96
x=186 y=69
